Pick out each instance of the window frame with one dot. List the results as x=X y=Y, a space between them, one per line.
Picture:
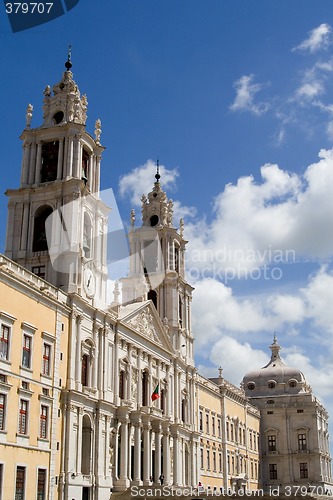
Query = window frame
x=23 y=417
x=44 y=421
x=3 y=412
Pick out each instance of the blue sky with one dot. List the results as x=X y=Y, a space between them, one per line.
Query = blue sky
x=235 y=98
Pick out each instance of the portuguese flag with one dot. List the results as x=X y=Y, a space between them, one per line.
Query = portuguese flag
x=155 y=394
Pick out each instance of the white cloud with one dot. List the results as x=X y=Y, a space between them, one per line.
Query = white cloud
x=319 y=38
x=246 y=91
x=280 y=220
x=140 y=181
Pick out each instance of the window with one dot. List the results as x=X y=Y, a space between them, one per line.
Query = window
x=228 y=431
x=273 y=471
x=270 y=412
x=2 y=411
x=43 y=422
x=26 y=353
x=3 y=378
x=272 y=443
x=219 y=427
x=20 y=483
x=200 y=422
x=39 y=240
x=251 y=440
x=23 y=417
x=213 y=426
x=4 y=342
x=300 y=411
x=228 y=460
x=220 y=461
x=214 y=460
x=201 y=459
x=39 y=271
x=271 y=384
x=251 y=386
x=231 y=432
x=84 y=370
x=46 y=359
x=183 y=410
x=152 y=295
x=302 y=442
x=208 y=459
x=163 y=401
x=41 y=484
x=303 y=470
x=49 y=161
x=207 y=423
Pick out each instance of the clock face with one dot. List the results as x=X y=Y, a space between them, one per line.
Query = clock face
x=89 y=282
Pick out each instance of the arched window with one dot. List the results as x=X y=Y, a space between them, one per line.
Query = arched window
x=39 y=240
x=180 y=311
x=50 y=152
x=176 y=257
x=85 y=165
x=152 y=295
x=86 y=446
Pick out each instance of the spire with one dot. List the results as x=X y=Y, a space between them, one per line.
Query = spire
x=68 y=63
x=275 y=348
x=157 y=175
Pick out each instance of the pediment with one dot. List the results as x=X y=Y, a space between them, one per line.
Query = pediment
x=143 y=318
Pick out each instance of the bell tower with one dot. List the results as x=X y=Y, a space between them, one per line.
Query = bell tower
x=57 y=223
x=157 y=268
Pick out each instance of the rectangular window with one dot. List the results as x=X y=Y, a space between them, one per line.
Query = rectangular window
x=200 y=422
x=240 y=436
x=20 y=483
x=228 y=460
x=26 y=353
x=272 y=443
x=1 y=479
x=233 y=465
x=84 y=370
x=4 y=342
x=254 y=442
x=251 y=440
x=201 y=458
x=303 y=470
x=2 y=412
x=23 y=417
x=213 y=426
x=231 y=432
x=214 y=460
x=41 y=484
x=228 y=431
x=273 y=471
x=207 y=423
x=46 y=359
x=220 y=461
x=219 y=427
x=39 y=271
x=43 y=422
x=302 y=442
x=208 y=460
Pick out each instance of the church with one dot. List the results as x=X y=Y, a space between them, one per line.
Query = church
x=100 y=395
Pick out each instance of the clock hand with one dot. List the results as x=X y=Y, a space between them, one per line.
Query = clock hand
x=88 y=283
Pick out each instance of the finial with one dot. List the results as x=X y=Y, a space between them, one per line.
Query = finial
x=132 y=217
x=28 y=115
x=68 y=63
x=274 y=339
x=220 y=372
x=157 y=175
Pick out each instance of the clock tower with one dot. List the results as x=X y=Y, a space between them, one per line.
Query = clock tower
x=57 y=223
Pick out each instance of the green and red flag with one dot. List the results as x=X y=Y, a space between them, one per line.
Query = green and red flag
x=155 y=394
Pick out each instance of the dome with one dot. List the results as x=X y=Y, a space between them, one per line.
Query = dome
x=275 y=378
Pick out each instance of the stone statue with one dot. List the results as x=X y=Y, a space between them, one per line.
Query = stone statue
x=28 y=115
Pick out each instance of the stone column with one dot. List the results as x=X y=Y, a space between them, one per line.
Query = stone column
x=24 y=234
x=79 y=441
x=157 y=430
x=139 y=400
x=32 y=166
x=137 y=453
x=97 y=356
x=38 y=163
x=166 y=456
x=146 y=452
x=25 y=164
x=78 y=360
x=60 y=159
x=70 y=157
x=124 y=450
x=177 y=464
